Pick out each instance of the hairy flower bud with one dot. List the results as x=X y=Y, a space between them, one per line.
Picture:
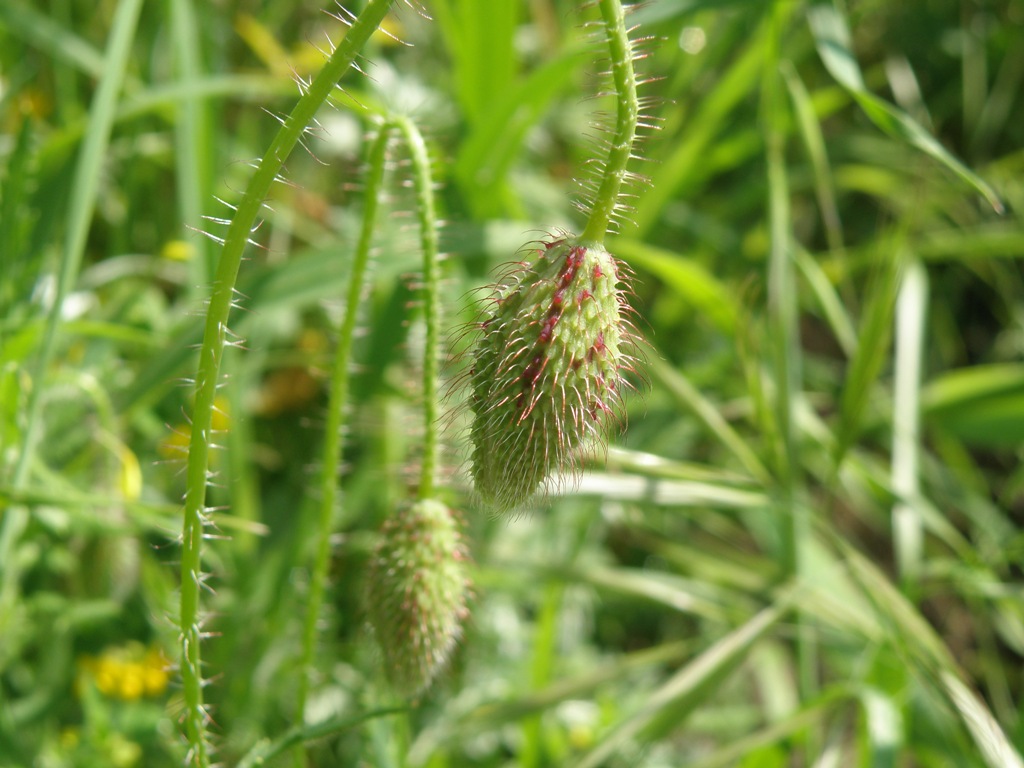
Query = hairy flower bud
x=548 y=369
x=416 y=600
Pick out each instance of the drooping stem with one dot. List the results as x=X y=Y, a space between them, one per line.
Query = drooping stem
x=212 y=352
x=627 y=111
x=424 y=187
x=337 y=402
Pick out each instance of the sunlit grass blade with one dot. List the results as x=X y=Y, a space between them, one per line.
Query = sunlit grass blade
x=828 y=299
x=686 y=277
x=701 y=131
x=911 y=311
x=496 y=137
x=814 y=142
x=481 y=39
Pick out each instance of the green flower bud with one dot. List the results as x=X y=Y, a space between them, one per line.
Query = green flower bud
x=548 y=369
x=416 y=600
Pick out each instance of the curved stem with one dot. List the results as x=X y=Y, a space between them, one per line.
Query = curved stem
x=424 y=186
x=212 y=352
x=606 y=201
x=338 y=400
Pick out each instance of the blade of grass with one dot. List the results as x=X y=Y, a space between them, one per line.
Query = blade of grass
x=496 y=714
x=85 y=186
x=192 y=137
x=793 y=518
x=486 y=156
x=700 y=132
x=982 y=404
x=911 y=310
x=267 y=750
x=814 y=142
x=992 y=741
x=883 y=722
x=49 y=36
x=480 y=37
x=680 y=388
x=691 y=685
x=832 y=37
x=778 y=732
x=872 y=346
x=689 y=279
x=915 y=638
x=673 y=493
x=829 y=301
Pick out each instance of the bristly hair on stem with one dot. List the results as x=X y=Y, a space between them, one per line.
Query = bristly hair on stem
x=332 y=451
x=222 y=299
x=603 y=193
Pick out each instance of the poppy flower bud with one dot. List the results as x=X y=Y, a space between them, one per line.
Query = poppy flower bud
x=417 y=593
x=547 y=371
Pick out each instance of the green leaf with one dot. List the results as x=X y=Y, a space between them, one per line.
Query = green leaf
x=983 y=404
x=832 y=37
x=689 y=279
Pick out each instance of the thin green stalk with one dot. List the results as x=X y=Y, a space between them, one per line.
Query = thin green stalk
x=606 y=200
x=337 y=402
x=211 y=354
x=424 y=188
x=85 y=188
x=191 y=138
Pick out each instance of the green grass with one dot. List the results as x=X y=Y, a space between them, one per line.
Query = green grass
x=805 y=549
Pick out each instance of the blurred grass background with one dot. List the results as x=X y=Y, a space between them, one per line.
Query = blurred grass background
x=805 y=550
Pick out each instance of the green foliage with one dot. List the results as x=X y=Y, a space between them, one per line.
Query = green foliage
x=806 y=548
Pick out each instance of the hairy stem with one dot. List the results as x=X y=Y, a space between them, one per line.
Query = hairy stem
x=424 y=186
x=627 y=113
x=211 y=354
x=332 y=449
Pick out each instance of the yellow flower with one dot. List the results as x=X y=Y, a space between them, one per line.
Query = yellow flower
x=127 y=672
x=177 y=250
